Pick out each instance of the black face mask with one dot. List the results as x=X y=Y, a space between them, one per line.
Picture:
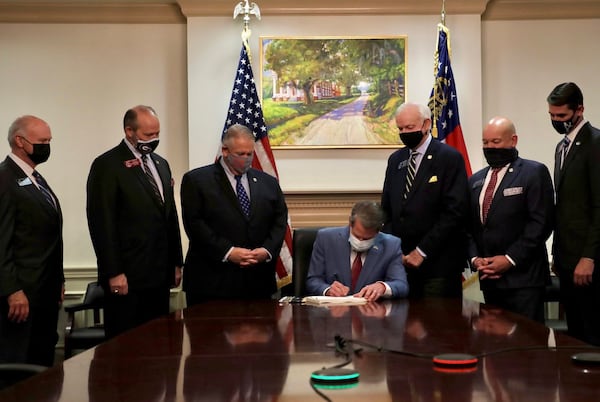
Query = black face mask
x=40 y=154
x=498 y=157
x=146 y=147
x=412 y=139
x=565 y=127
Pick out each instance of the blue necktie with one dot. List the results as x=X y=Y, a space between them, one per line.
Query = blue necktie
x=44 y=188
x=564 y=150
x=242 y=196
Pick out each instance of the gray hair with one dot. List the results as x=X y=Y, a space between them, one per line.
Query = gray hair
x=423 y=110
x=369 y=213
x=236 y=131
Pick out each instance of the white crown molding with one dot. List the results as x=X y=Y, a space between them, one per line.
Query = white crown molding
x=176 y=11
x=541 y=9
x=90 y=12
x=194 y=8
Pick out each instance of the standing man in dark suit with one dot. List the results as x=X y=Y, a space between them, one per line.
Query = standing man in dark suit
x=425 y=199
x=357 y=259
x=511 y=217
x=235 y=218
x=576 y=245
x=31 y=249
x=133 y=224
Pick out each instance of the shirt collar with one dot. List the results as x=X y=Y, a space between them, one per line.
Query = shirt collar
x=22 y=164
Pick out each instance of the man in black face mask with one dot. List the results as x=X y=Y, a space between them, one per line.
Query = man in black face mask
x=512 y=214
x=425 y=201
x=134 y=226
x=576 y=246
x=31 y=249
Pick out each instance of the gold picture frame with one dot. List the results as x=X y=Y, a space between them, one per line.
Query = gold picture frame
x=332 y=92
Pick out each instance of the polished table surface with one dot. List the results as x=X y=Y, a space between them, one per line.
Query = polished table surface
x=264 y=351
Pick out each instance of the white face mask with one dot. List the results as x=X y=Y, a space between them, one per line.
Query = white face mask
x=360 y=245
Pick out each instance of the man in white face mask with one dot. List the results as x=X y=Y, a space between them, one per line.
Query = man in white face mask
x=357 y=259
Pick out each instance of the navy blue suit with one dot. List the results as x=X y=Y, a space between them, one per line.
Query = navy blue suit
x=215 y=222
x=31 y=260
x=330 y=261
x=432 y=217
x=519 y=222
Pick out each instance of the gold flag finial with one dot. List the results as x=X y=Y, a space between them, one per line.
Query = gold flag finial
x=246 y=8
x=443 y=18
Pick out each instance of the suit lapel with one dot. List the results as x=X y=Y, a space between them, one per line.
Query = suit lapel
x=371 y=260
x=511 y=174
x=32 y=189
x=425 y=168
x=134 y=166
x=579 y=143
x=223 y=181
x=345 y=276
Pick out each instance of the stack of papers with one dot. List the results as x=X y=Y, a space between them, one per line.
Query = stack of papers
x=324 y=300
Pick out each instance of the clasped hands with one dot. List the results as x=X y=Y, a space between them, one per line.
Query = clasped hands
x=245 y=257
x=491 y=267
x=370 y=292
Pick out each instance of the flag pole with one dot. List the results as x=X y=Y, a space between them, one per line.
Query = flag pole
x=246 y=8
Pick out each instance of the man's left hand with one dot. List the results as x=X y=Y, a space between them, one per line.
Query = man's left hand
x=583 y=272
x=372 y=292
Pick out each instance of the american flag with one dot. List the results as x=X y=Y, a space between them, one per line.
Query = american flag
x=245 y=108
x=443 y=101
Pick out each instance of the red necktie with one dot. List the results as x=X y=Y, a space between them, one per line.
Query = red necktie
x=356 y=268
x=489 y=194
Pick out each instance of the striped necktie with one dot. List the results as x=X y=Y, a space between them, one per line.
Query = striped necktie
x=44 y=188
x=150 y=177
x=564 y=150
x=410 y=173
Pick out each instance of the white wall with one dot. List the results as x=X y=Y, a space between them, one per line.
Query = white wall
x=523 y=61
x=213 y=52
x=81 y=79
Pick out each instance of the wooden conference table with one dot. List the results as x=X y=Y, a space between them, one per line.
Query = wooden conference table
x=263 y=351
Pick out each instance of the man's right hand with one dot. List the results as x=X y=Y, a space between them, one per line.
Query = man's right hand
x=338 y=289
x=118 y=285
x=18 y=307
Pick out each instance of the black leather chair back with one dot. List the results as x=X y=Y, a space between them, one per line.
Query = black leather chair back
x=12 y=373
x=302 y=245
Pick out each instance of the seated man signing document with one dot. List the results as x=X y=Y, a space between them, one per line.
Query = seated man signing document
x=357 y=259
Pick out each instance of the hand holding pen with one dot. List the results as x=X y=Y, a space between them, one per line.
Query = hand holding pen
x=337 y=288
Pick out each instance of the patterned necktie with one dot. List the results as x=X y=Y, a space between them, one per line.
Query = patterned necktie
x=44 y=188
x=242 y=196
x=489 y=194
x=150 y=177
x=563 y=151
x=410 y=173
x=356 y=268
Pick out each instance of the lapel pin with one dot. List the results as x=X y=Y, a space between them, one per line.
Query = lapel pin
x=510 y=170
x=578 y=143
x=254 y=179
x=429 y=156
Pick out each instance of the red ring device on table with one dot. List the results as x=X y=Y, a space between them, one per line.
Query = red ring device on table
x=455 y=362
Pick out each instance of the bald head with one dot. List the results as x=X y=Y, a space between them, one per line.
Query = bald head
x=499 y=132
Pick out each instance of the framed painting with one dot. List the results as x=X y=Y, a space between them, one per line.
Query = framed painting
x=332 y=92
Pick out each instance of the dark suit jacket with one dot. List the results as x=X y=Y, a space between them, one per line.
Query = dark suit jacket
x=214 y=222
x=577 y=232
x=433 y=217
x=518 y=223
x=131 y=231
x=330 y=261
x=31 y=246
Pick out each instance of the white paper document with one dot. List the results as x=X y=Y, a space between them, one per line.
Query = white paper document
x=324 y=300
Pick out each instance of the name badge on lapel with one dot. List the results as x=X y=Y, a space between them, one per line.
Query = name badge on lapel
x=25 y=181
x=512 y=191
x=403 y=164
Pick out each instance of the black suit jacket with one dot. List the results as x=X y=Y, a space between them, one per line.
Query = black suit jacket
x=577 y=184
x=214 y=222
x=31 y=245
x=434 y=214
x=132 y=232
x=518 y=223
